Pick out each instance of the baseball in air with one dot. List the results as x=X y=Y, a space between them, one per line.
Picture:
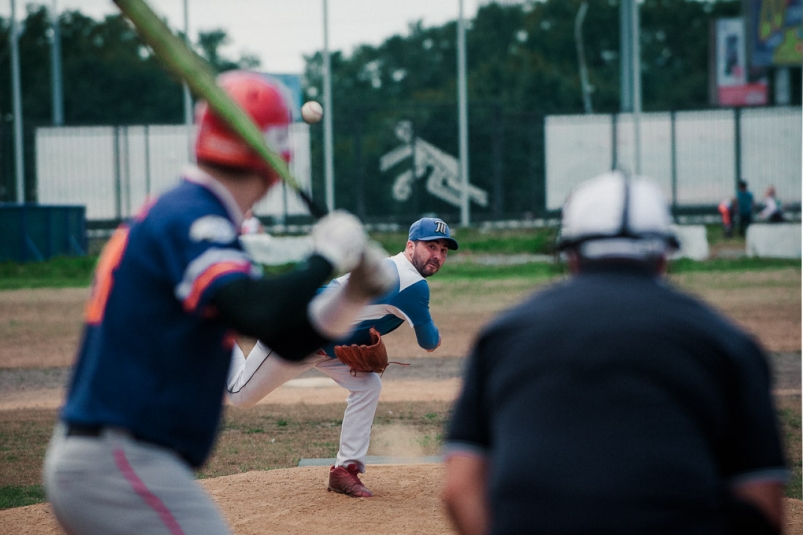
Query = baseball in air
x=312 y=112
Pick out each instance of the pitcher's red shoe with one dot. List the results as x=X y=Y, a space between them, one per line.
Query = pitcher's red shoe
x=344 y=479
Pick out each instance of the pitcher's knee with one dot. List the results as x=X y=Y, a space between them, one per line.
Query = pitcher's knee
x=241 y=401
x=372 y=385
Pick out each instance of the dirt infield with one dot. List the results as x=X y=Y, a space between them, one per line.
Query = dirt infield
x=293 y=502
x=40 y=330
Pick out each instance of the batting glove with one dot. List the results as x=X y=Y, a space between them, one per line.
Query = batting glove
x=373 y=276
x=340 y=238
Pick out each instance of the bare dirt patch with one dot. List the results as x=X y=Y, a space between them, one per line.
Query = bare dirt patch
x=40 y=327
x=292 y=502
x=766 y=303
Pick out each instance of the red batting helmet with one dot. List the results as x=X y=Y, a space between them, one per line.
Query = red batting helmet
x=216 y=143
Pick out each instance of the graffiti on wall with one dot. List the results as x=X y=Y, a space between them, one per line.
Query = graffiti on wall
x=441 y=170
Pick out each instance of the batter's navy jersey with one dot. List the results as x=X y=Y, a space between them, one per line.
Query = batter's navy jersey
x=615 y=404
x=154 y=359
x=408 y=300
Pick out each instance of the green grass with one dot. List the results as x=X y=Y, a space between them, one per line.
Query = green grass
x=476 y=241
x=77 y=271
x=790 y=422
x=475 y=271
x=686 y=265
x=61 y=272
x=21 y=496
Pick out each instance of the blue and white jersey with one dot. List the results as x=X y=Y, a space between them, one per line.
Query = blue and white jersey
x=154 y=357
x=407 y=301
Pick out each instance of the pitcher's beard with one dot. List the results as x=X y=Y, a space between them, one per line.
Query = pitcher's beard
x=426 y=269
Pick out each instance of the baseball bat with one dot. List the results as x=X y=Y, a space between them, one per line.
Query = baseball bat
x=200 y=78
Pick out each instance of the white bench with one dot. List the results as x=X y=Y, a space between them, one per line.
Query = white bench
x=693 y=242
x=773 y=240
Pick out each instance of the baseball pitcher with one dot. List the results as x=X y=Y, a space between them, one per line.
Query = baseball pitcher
x=357 y=362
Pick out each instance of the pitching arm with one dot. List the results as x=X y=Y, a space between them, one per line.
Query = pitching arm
x=414 y=302
x=428 y=336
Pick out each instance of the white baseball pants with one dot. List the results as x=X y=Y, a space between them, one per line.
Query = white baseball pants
x=264 y=371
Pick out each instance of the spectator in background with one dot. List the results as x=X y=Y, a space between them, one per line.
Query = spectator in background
x=611 y=402
x=726 y=209
x=745 y=199
x=771 y=208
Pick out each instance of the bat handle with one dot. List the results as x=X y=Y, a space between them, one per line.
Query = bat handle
x=314 y=209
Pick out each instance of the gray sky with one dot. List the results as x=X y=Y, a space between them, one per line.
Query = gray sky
x=280 y=32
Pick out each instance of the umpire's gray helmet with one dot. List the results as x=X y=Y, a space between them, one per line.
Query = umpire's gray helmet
x=615 y=215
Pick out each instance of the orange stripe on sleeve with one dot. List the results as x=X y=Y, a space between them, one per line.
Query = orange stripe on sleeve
x=205 y=279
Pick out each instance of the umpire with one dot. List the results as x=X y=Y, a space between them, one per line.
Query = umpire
x=611 y=402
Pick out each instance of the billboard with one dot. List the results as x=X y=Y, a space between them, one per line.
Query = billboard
x=290 y=85
x=774 y=32
x=735 y=86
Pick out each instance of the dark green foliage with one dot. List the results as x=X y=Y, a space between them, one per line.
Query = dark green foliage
x=522 y=65
x=109 y=77
x=525 y=58
x=21 y=496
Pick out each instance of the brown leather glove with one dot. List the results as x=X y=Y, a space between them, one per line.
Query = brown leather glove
x=365 y=358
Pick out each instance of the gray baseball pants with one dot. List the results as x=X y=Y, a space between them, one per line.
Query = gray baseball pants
x=114 y=484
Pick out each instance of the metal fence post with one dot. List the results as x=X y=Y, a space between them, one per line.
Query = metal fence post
x=117 y=193
x=497 y=136
x=674 y=162
x=737 y=141
x=358 y=165
x=614 y=142
x=147 y=135
x=538 y=180
x=127 y=175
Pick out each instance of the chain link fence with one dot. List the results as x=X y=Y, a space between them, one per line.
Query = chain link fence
x=393 y=165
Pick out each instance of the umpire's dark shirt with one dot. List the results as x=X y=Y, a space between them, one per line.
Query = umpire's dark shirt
x=612 y=403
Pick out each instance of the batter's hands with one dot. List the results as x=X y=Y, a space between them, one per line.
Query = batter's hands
x=373 y=276
x=340 y=238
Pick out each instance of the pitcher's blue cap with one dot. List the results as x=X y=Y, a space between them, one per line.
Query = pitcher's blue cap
x=430 y=228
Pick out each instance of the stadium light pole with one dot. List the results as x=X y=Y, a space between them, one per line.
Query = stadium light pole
x=581 y=56
x=19 y=164
x=187 y=95
x=625 y=55
x=329 y=168
x=636 y=89
x=462 y=99
x=55 y=68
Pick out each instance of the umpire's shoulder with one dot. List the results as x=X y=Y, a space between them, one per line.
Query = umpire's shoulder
x=540 y=303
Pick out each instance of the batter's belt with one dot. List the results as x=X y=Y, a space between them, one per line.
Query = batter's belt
x=96 y=431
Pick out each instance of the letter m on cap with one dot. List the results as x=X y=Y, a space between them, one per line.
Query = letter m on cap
x=440 y=227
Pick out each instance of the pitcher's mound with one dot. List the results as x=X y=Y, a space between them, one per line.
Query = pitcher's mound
x=295 y=501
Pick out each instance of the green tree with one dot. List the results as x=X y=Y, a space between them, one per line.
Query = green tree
x=109 y=76
x=523 y=57
x=522 y=64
